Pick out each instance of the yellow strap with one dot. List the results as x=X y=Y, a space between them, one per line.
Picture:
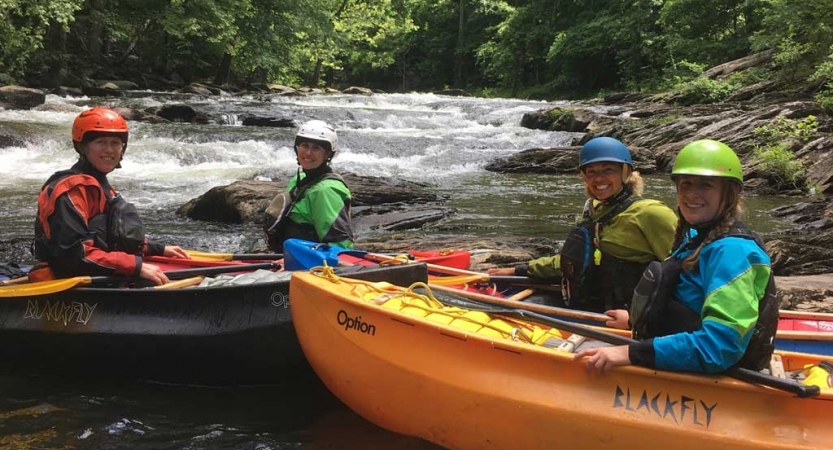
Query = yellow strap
x=414 y=300
x=396 y=260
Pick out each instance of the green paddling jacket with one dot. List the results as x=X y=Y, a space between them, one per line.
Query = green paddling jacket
x=642 y=233
x=322 y=214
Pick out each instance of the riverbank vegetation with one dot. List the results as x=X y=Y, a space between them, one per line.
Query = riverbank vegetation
x=521 y=48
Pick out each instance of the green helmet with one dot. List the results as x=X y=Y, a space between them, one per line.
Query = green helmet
x=708 y=158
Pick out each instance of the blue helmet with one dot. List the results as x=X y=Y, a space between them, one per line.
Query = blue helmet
x=604 y=149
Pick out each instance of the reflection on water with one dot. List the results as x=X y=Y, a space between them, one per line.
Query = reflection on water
x=61 y=414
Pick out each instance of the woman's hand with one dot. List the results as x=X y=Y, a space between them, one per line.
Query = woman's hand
x=153 y=273
x=502 y=271
x=602 y=359
x=175 y=252
x=619 y=318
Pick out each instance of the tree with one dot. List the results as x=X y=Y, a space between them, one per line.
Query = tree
x=25 y=24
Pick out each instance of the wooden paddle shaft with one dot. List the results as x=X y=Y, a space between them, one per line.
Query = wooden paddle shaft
x=521 y=295
x=181 y=283
x=15 y=281
x=544 y=309
x=515 y=280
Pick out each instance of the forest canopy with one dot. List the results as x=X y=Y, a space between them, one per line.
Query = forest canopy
x=530 y=48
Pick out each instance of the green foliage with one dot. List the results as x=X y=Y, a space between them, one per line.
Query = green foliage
x=749 y=76
x=778 y=164
x=824 y=71
x=785 y=129
x=664 y=119
x=526 y=48
x=801 y=32
x=791 y=54
x=561 y=116
x=25 y=25
x=825 y=99
x=777 y=161
x=705 y=90
x=710 y=31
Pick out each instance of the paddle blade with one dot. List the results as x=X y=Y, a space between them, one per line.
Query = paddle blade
x=43 y=287
x=205 y=256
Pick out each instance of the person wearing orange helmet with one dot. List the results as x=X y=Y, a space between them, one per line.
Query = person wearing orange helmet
x=83 y=226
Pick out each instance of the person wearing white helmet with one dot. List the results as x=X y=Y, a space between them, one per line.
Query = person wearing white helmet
x=316 y=204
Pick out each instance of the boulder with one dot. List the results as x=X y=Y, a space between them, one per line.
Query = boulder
x=245 y=201
x=18 y=97
x=357 y=90
x=264 y=121
x=562 y=160
x=95 y=91
x=177 y=113
x=195 y=88
x=808 y=293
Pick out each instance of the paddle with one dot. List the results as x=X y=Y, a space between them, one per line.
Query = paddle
x=54 y=286
x=750 y=376
x=510 y=303
x=476 y=276
x=208 y=256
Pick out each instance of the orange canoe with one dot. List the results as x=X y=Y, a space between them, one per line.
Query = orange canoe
x=471 y=380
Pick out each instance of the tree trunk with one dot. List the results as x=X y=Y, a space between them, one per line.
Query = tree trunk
x=224 y=70
x=133 y=42
x=57 y=39
x=458 y=60
x=331 y=76
x=96 y=29
x=316 y=73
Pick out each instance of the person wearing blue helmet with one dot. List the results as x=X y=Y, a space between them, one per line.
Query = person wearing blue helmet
x=620 y=232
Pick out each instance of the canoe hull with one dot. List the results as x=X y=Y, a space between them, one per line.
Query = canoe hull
x=225 y=335
x=464 y=391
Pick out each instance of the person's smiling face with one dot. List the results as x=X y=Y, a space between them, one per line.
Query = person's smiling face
x=603 y=179
x=104 y=153
x=311 y=155
x=699 y=198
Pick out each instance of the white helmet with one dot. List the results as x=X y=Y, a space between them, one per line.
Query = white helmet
x=317 y=130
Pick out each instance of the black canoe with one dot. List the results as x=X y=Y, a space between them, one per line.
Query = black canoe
x=225 y=335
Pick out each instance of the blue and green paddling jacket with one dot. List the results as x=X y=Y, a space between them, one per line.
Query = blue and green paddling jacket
x=727 y=288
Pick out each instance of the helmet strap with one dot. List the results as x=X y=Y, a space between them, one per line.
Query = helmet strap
x=620 y=196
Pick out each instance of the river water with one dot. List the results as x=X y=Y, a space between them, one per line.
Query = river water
x=442 y=141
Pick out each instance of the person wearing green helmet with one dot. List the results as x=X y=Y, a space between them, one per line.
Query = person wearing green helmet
x=604 y=256
x=711 y=305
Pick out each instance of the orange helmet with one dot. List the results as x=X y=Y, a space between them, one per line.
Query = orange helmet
x=97 y=122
